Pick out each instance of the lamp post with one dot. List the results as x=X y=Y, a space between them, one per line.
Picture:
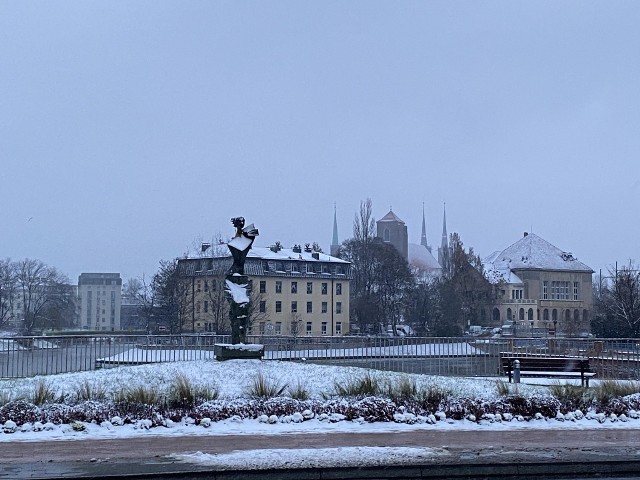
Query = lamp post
x=531 y=328
x=555 y=328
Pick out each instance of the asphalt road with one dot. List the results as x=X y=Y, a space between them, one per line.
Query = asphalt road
x=519 y=454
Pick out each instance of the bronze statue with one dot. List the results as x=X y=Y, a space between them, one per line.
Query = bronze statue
x=237 y=284
x=240 y=244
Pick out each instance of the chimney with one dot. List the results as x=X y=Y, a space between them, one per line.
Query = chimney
x=526 y=234
x=297 y=249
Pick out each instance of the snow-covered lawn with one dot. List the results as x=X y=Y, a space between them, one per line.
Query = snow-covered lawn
x=232 y=380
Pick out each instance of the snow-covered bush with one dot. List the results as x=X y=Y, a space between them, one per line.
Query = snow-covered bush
x=9 y=427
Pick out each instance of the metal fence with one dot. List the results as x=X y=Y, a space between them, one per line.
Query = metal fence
x=464 y=356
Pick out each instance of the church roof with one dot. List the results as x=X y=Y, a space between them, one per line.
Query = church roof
x=422 y=258
x=532 y=253
x=391 y=217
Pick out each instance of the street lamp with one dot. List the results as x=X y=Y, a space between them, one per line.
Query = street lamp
x=531 y=328
x=555 y=328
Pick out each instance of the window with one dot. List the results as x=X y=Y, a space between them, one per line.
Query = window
x=309 y=307
x=309 y=287
x=278 y=306
x=338 y=307
x=294 y=307
x=324 y=328
x=206 y=306
x=545 y=289
x=339 y=288
x=560 y=290
x=576 y=289
x=294 y=287
x=545 y=314
x=323 y=288
x=387 y=235
x=338 y=328
x=206 y=286
x=278 y=286
x=309 y=324
x=263 y=286
x=278 y=330
x=198 y=286
x=197 y=307
x=295 y=267
x=263 y=306
x=261 y=328
x=516 y=294
x=324 y=307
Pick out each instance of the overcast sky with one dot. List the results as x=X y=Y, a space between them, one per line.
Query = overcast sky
x=129 y=130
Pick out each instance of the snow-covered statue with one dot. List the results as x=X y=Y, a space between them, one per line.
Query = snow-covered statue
x=241 y=244
x=237 y=284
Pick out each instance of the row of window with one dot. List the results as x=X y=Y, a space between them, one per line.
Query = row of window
x=324 y=287
x=560 y=290
x=294 y=307
x=300 y=267
x=511 y=315
x=277 y=328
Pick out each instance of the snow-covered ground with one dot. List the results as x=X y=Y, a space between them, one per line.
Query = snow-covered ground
x=233 y=378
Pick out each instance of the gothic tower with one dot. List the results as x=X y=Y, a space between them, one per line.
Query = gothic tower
x=394 y=231
x=335 y=246
x=423 y=238
x=443 y=250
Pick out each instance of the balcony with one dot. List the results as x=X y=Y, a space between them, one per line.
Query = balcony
x=521 y=301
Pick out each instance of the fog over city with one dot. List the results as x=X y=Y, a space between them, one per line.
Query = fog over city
x=132 y=131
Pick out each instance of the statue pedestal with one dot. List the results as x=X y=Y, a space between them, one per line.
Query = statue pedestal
x=239 y=351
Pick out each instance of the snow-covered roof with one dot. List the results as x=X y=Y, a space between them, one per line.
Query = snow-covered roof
x=266 y=253
x=533 y=253
x=422 y=258
x=390 y=217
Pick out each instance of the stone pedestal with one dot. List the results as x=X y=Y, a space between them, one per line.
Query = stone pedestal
x=226 y=351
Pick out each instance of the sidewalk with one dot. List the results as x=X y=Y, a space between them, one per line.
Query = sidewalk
x=461 y=454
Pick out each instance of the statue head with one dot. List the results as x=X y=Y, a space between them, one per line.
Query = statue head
x=238 y=222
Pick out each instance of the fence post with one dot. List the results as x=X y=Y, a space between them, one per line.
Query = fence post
x=516 y=371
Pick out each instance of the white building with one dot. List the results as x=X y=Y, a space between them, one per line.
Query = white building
x=99 y=300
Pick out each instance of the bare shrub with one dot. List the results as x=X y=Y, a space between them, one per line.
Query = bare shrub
x=265 y=387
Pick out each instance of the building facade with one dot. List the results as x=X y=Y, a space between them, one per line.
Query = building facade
x=294 y=292
x=540 y=288
x=99 y=301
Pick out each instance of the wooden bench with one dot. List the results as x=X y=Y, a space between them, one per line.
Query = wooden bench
x=548 y=366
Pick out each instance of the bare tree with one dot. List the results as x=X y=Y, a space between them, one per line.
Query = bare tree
x=8 y=286
x=618 y=305
x=172 y=296
x=364 y=225
x=42 y=290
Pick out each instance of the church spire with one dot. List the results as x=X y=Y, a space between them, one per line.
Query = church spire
x=334 y=241
x=423 y=238
x=445 y=237
x=444 y=254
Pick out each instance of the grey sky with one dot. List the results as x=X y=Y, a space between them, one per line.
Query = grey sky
x=130 y=129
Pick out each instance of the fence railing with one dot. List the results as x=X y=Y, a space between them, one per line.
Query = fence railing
x=463 y=356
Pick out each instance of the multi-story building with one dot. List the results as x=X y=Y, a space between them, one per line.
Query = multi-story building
x=294 y=291
x=540 y=287
x=99 y=300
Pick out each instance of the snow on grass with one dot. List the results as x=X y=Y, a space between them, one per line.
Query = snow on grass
x=232 y=380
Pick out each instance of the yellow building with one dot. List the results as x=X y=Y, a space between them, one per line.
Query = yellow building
x=294 y=292
x=540 y=288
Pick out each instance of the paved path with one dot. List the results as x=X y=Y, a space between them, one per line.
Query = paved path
x=510 y=450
